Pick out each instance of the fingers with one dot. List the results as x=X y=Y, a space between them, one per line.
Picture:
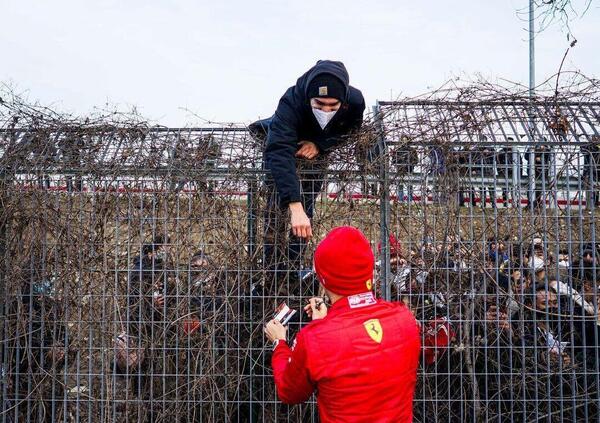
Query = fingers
x=297 y=230
x=308 y=150
x=311 y=307
x=313 y=302
x=273 y=325
x=304 y=150
x=308 y=310
x=275 y=330
x=308 y=231
x=314 y=308
x=301 y=226
x=306 y=154
x=269 y=329
x=311 y=153
x=302 y=230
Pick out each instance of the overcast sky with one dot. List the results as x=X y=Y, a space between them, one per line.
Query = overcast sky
x=232 y=60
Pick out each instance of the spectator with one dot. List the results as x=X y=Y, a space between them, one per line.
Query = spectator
x=204 y=298
x=520 y=286
x=312 y=118
x=420 y=271
x=536 y=257
x=147 y=286
x=42 y=347
x=147 y=304
x=399 y=267
x=202 y=270
x=562 y=264
x=497 y=252
x=572 y=297
x=540 y=275
x=583 y=319
x=585 y=270
x=544 y=331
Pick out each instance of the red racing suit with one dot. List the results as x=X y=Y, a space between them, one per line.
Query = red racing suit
x=361 y=359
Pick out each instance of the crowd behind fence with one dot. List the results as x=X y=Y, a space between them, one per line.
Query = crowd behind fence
x=139 y=265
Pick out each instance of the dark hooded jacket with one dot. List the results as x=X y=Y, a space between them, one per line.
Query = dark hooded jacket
x=294 y=121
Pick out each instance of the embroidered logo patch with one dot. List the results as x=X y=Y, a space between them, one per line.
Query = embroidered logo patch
x=369 y=284
x=323 y=90
x=361 y=300
x=374 y=330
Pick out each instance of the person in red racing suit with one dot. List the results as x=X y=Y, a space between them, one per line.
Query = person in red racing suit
x=361 y=355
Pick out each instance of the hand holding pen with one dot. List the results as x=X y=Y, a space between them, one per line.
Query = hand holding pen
x=316 y=308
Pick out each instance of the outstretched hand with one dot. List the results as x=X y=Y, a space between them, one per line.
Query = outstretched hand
x=301 y=226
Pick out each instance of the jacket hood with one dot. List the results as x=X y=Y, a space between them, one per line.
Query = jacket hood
x=332 y=67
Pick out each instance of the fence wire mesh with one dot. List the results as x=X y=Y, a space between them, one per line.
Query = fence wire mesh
x=139 y=264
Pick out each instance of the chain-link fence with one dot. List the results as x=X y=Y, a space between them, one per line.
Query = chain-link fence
x=140 y=264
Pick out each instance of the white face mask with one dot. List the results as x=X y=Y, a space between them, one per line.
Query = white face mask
x=323 y=117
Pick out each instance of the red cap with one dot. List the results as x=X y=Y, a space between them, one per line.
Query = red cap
x=395 y=247
x=344 y=261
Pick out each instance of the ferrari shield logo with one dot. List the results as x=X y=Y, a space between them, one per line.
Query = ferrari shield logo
x=374 y=329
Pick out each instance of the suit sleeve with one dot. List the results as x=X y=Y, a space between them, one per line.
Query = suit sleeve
x=280 y=152
x=291 y=373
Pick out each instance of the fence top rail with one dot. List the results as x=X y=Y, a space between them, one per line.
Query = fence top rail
x=148 y=128
x=498 y=103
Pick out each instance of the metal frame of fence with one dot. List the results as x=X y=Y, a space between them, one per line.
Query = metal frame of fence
x=136 y=275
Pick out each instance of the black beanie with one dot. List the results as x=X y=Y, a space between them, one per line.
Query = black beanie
x=326 y=85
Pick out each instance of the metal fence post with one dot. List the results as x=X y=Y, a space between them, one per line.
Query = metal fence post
x=532 y=182
x=384 y=208
x=252 y=214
